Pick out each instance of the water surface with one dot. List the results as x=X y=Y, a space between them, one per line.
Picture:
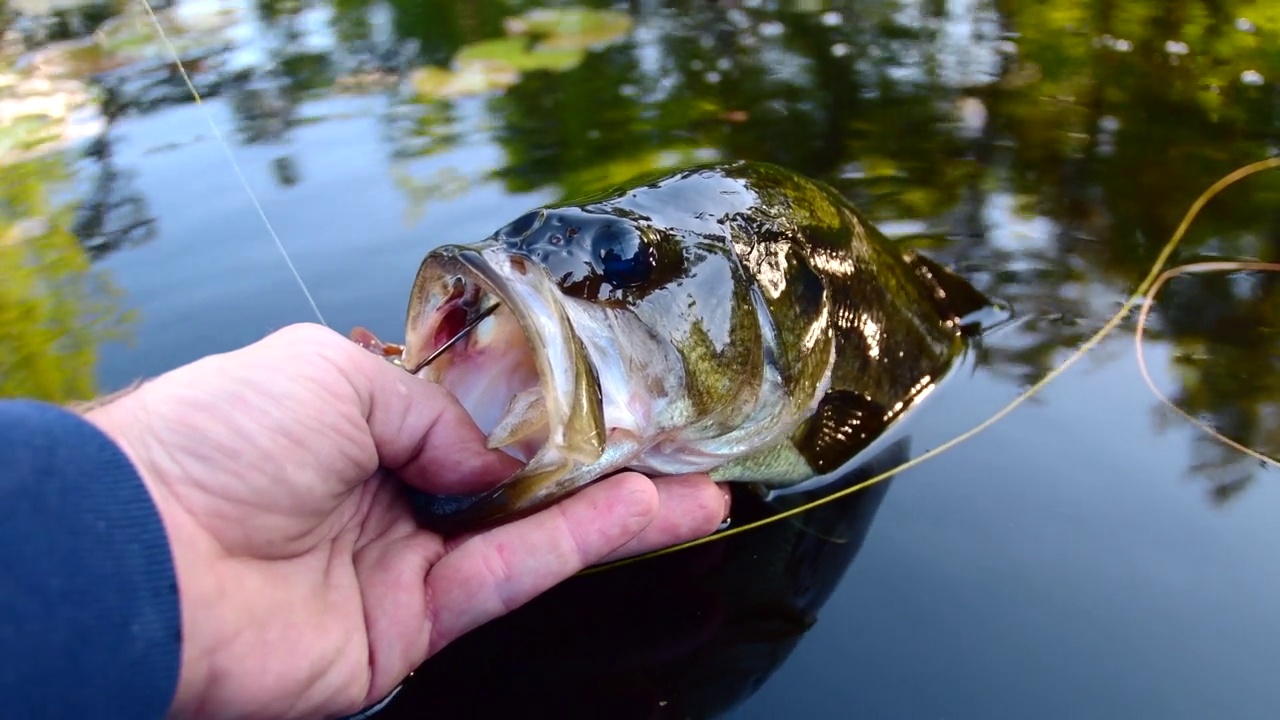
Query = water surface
x=1092 y=555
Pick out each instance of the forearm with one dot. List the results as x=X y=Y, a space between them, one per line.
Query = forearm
x=89 y=614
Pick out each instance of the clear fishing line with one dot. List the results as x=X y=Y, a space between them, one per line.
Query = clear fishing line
x=226 y=148
x=1143 y=296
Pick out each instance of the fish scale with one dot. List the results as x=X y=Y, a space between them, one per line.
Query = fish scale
x=732 y=318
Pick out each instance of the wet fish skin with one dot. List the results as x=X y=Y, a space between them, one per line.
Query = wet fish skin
x=770 y=331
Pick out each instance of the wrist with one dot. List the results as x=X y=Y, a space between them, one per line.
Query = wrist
x=123 y=419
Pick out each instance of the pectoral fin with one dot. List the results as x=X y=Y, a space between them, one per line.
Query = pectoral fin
x=367 y=340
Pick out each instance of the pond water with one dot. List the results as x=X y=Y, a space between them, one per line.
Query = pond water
x=1093 y=554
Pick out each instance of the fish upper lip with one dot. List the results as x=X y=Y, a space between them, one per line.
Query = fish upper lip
x=495 y=283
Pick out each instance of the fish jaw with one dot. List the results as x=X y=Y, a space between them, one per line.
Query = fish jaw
x=529 y=490
x=527 y=345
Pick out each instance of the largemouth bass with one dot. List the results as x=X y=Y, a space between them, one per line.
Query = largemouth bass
x=734 y=318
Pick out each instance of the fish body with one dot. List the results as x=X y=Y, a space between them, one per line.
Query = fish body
x=736 y=318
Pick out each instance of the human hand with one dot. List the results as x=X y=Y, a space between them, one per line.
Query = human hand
x=307 y=589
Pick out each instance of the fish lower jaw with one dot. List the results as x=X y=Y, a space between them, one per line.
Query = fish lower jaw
x=575 y=470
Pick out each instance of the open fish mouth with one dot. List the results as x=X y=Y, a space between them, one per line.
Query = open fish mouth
x=493 y=368
x=734 y=318
x=520 y=372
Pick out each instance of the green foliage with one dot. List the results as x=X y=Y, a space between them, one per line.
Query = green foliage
x=54 y=308
x=1100 y=122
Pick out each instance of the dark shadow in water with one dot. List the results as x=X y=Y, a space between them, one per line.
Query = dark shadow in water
x=113 y=214
x=690 y=634
x=1065 y=127
x=149 y=85
x=1046 y=150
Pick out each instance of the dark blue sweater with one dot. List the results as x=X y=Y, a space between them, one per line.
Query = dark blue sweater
x=89 y=616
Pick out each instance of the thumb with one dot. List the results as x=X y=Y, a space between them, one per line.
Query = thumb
x=421 y=432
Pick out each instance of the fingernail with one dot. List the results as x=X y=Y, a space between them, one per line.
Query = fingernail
x=728 y=500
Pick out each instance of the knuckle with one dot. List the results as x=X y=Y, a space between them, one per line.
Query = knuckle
x=304 y=333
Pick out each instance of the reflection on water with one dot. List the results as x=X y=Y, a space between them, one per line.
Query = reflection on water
x=54 y=308
x=1227 y=368
x=111 y=214
x=1046 y=150
x=703 y=629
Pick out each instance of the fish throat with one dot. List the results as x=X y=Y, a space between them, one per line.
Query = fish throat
x=488 y=327
x=446 y=335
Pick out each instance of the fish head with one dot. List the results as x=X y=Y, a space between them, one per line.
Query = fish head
x=567 y=284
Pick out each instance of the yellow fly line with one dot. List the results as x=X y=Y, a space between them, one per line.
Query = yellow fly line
x=1143 y=296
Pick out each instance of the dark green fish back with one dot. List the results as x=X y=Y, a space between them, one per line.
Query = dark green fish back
x=891 y=340
x=727 y=238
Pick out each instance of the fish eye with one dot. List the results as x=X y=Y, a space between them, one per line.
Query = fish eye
x=626 y=260
x=522 y=225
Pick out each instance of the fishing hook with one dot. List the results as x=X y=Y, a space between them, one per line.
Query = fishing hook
x=449 y=343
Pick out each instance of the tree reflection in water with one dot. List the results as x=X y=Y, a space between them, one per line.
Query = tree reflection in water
x=55 y=308
x=1030 y=144
x=1046 y=149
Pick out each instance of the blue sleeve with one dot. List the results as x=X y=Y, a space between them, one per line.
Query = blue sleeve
x=89 y=615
